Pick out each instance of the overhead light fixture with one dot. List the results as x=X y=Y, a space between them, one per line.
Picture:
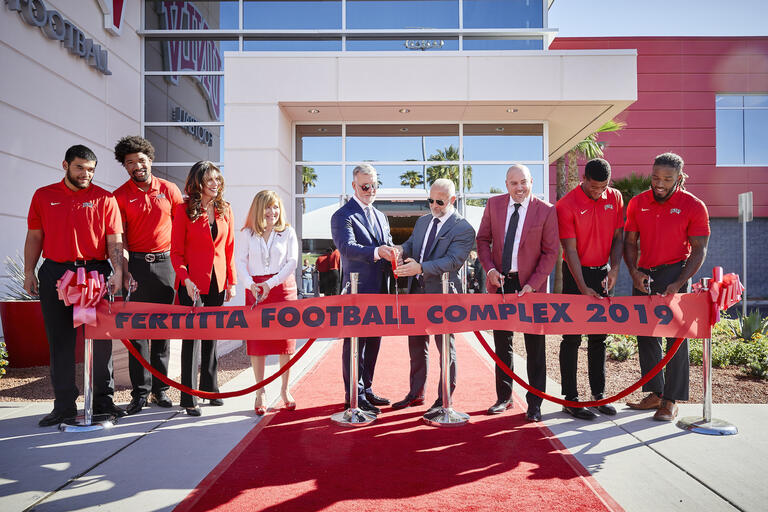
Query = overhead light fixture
x=322 y=130
x=499 y=128
x=403 y=129
x=511 y=110
x=313 y=111
x=404 y=110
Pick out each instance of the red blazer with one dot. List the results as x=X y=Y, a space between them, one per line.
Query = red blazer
x=194 y=253
x=539 y=241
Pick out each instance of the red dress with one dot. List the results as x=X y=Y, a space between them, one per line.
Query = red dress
x=280 y=293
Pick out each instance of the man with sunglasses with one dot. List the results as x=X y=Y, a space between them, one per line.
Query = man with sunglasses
x=440 y=242
x=518 y=243
x=673 y=227
x=361 y=234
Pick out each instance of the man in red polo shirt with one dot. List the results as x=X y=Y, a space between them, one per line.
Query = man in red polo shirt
x=146 y=205
x=591 y=221
x=672 y=226
x=73 y=223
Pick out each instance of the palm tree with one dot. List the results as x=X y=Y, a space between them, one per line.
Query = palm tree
x=449 y=154
x=411 y=179
x=308 y=180
x=568 y=175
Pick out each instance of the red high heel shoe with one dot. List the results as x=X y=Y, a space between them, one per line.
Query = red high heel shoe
x=289 y=404
x=258 y=408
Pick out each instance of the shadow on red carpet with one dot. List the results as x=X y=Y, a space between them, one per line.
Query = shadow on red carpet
x=300 y=461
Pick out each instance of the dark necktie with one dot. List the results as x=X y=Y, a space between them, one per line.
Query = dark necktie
x=372 y=223
x=509 y=241
x=431 y=238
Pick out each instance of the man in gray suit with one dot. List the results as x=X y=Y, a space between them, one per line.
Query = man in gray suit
x=440 y=242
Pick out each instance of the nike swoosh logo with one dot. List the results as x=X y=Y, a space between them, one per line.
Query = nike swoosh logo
x=54 y=204
x=583 y=212
x=644 y=209
x=132 y=200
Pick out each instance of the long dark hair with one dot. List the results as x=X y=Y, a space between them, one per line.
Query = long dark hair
x=198 y=174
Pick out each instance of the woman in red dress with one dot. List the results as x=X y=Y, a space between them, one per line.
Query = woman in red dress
x=202 y=254
x=266 y=256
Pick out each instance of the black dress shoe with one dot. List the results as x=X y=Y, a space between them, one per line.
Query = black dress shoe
x=408 y=402
x=435 y=407
x=580 y=412
x=216 y=402
x=499 y=407
x=194 y=411
x=364 y=405
x=55 y=417
x=110 y=409
x=161 y=399
x=137 y=403
x=533 y=415
x=607 y=409
x=376 y=400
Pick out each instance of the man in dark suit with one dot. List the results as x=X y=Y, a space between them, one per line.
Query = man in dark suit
x=518 y=243
x=361 y=234
x=440 y=242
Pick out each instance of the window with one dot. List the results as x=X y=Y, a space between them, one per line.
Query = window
x=741 y=125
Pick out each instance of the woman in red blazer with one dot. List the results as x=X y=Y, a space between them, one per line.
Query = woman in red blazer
x=202 y=254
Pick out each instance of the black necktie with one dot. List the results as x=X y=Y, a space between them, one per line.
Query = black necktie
x=509 y=241
x=373 y=224
x=430 y=238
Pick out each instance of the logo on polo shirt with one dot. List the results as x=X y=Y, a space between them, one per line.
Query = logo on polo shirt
x=644 y=209
x=161 y=196
x=132 y=200
x=87 y=204
x=54 y=204
x=675 y=210
x=609 y=207
x=585 y=211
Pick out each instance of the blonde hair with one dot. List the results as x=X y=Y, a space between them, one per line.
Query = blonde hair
x=255 y=219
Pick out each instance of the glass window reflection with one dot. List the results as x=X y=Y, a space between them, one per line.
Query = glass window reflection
x=318 y=179
x=503 y=14
x=755 y=128
x=391 y=142
x=729 y=136
x=186 y=99
x=382 y=14
x=490 y=179
x=487 y=43
x=318 y=143
x=512 y=142
x=286 y=15
x=197 y=15
x=186 y=54
x=292 y=45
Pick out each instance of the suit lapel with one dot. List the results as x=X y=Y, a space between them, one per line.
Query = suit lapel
x=362 y=219
x=530 y=218
x=444 y=229
x=503 y=205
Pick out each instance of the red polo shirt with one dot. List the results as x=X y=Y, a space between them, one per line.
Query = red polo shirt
x=75 y=224
x=147 y=216
x=664 y=228
x=592 y=223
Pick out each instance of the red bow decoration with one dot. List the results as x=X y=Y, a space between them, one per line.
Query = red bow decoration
x=84 y=293
x=727 y=292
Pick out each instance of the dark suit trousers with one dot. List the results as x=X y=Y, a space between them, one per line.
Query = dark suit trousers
x=673 y=382
x=199 y=352
x=569 y=347
x=367 y=353
x=535 y=349
x=155 y=285
x=62 y=338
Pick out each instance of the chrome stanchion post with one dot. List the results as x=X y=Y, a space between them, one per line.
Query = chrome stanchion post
x=86 y=423
x=353 y=417
x=706 y=424
x=446 y=416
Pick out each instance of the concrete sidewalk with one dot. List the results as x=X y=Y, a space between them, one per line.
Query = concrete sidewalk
x=153 y=460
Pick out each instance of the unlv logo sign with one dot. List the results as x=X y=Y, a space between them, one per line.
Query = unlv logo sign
x=113 y=15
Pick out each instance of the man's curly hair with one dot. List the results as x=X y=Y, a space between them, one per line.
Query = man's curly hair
x=133 y=144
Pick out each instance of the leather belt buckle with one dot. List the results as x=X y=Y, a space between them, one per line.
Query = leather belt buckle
x=79 y=263
x=149 y=257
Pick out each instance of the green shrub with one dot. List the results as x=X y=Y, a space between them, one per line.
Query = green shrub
x=746 y=327
x=620 y=347
x=695 y=352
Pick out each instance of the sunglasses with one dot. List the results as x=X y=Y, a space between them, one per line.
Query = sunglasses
x=369 y=186
x=439 y=202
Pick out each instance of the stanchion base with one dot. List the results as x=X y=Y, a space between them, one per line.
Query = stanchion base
x=714 y=427
x=353 y=418
x=446 y=418
x=98 y=422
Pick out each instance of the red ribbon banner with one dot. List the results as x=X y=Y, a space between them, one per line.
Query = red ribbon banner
x=679 y=316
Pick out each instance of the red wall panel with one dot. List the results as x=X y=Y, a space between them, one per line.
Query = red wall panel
x=678 y=78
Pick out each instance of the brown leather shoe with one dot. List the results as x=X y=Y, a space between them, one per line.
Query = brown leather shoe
x=652 y=401
x=667 y=411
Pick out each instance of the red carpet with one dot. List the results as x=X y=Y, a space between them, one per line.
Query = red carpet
x=300 y=461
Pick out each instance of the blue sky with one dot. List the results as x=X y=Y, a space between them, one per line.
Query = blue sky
x=659 y=17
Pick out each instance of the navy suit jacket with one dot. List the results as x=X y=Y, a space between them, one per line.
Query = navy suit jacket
x=448 y=253
x=356 y=243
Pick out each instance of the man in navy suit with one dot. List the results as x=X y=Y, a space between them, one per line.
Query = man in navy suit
x=361 y=234
x=440 y=243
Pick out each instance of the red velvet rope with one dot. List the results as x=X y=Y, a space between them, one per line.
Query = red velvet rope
x=595 y=403
x=207 y=394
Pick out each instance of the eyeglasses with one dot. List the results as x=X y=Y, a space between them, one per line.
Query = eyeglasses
x=439 y=202
x=369 y=186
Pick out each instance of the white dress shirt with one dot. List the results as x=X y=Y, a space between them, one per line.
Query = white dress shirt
x=256 y=257
x=520 y=221
x=446 y=215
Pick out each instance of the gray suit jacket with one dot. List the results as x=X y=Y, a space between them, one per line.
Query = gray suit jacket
x=448 y=253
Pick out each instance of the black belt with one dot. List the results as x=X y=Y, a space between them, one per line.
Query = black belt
x=82 y=263
x=511 y=275
x=151 y=257
x=601 y=267
x=666 y=265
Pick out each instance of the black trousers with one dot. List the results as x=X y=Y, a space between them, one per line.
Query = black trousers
x=200 y=353
x=155 y=285
x=569 y=347
x=673 y=382
x=536 y=357
x=61 y=342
